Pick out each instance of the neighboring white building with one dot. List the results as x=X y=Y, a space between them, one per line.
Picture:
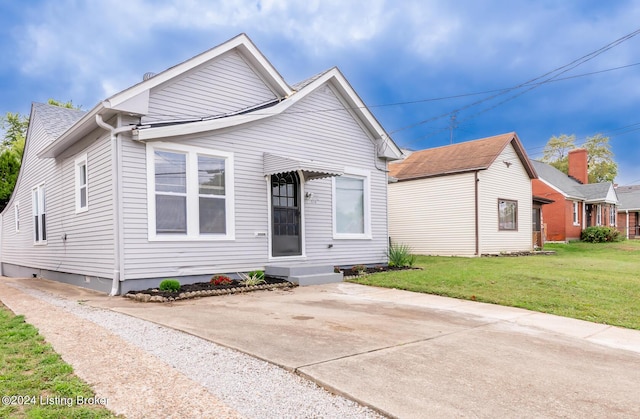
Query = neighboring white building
x=215 y=165
x=466 y=199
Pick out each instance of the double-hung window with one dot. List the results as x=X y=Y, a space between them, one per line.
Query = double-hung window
x=576 y=219
x=38 y=202
x=351 y=205
x=599 y=215
x=82 y=183
x=507 y=214
x=190 y=193
x=612 y=215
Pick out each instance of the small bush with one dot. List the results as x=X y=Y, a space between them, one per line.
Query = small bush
x=600 y=235
x=221 y=280
x=258 y=274
x=251 y=279
x=169 y=285
x=360 y=269
x=400 y=256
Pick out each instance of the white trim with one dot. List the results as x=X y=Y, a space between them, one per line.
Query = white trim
x=16 y=215
x=79 y=162
x=303 y=248
x=192 y=193
x=365 y=176
x=576 y=216
x=39 y=208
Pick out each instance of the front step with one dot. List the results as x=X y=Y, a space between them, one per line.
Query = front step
x=304 y=274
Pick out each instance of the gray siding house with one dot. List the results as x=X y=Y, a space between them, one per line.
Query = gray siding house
x=215 y=165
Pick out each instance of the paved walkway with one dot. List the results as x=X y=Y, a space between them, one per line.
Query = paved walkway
x=412 y=355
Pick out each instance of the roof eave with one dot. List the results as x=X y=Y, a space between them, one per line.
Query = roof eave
x=77 y=131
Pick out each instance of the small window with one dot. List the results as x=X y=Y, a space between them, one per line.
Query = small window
x=39 y=214
x=16 y=214
x=576 y=208
x=507 y=214
x=612 y=215
x=82 y=196
x=351 y=219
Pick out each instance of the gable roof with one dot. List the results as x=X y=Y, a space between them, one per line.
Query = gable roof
x=55 y=120
x=571 y=188
x=135 y=100
x=459 y=158
x=628 y=197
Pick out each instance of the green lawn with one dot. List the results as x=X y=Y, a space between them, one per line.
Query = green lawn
x=34 y=381
x=594 y=282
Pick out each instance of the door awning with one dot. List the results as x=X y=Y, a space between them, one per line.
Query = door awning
x=311 y=169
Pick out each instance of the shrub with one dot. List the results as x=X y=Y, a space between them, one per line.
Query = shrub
x=251 y=278
x=601 y=235
x=169 y=285
x=400 y=256
x=258 y=273
x=360 y=269
x=220 y=280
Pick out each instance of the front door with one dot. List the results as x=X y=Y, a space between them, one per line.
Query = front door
x=285 y=215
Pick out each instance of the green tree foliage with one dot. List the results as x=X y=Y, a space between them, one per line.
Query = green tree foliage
x=600 y=164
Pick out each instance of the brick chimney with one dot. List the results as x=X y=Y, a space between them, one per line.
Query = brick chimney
x=578 y=165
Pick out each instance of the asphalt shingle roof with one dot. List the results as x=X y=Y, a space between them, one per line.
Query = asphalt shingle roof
x=56 y=119
x=629 y=197
x=457 y=158
x=570 y=186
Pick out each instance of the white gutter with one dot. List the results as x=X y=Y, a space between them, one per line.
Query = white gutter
x=118 y=246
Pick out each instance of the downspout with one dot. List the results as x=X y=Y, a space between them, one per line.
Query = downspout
x=477 y=227
x=117 y=207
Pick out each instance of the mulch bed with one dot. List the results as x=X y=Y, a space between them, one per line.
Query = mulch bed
x=204 y=289
x=350 y=273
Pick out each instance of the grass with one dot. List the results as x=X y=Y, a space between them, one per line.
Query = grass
x=594 y=282
x=44 y=385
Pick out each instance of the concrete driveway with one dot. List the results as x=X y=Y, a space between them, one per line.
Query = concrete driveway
x=410 y=355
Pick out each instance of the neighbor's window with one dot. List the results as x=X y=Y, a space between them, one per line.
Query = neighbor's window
x=576 y=219
x=190 y=193
x=16 y=214
x=38 y=201
x=599 y=215
x=612 y=215
x=351 y=205
x=81 y=184
x=507 y=214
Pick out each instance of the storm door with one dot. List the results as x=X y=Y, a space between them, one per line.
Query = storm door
x=285 y=213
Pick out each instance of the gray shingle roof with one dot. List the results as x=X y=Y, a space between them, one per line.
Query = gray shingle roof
x=569 y=186
x=310 y=80
x=559 y=180
x=629 y=197
x=55 y=119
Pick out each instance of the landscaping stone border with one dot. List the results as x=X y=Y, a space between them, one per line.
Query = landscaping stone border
x=146 y=298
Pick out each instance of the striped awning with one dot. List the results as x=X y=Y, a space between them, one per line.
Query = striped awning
x=311 y=169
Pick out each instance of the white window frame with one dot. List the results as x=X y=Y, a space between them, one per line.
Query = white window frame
x=79 y=163
x=598 y=215
x=192 y=194
x=39 y=206
x=16 y=215
x=365 y=176
x=612 y=215
x=576 y=217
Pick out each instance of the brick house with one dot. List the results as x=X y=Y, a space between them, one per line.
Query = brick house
x=577 y=204
x=629 y=211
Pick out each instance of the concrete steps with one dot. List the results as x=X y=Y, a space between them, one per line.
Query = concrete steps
x=304 y=274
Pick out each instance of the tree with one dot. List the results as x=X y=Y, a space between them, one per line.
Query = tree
x=600 y=164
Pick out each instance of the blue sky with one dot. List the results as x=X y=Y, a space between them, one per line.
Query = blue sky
x=415 y=63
